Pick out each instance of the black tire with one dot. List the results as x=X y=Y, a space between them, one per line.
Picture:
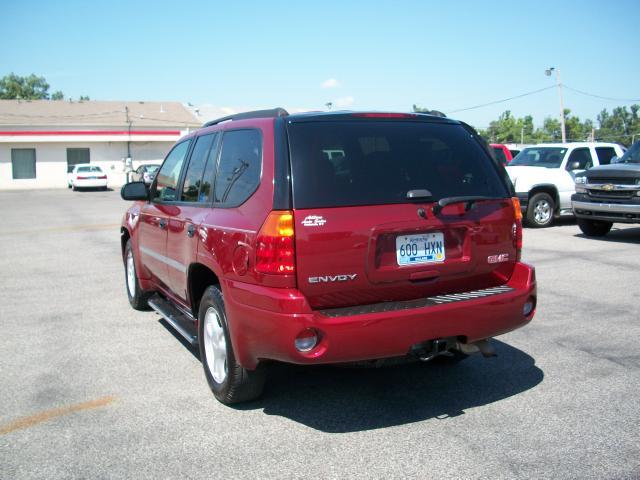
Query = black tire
x=74 y=188
x=68 y=185
x=137 y=297
x=238 y=384
x=540 y=210
x=594 y=228
x=452 y=357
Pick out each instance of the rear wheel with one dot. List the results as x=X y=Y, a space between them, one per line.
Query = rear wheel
x=594 y=228
x=137 y=297
x=229 y=381
x=540 y=210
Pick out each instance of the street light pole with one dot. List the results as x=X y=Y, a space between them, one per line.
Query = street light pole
x=559 y=83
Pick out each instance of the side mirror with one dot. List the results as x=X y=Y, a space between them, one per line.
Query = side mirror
x=574 y=166
x=134 y=191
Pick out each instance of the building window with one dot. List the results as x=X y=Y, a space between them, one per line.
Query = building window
x=76 y=156
x=23 y=163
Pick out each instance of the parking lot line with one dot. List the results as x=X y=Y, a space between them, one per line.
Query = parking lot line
x=32 y=420
x=63 y=229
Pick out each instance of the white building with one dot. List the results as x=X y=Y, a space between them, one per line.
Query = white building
x=41 y=139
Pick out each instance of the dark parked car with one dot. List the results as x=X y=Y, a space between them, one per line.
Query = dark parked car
x=327 y=238
x=608 y=194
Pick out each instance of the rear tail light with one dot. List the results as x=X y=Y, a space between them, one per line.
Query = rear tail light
x=102 y=177
x=517 y=228
x=275 y=253
x=81 y=178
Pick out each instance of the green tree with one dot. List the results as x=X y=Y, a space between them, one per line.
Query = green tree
x=32 y=87
x=57 y=95
x=621 y=126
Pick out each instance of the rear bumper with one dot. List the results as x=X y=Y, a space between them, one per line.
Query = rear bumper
x=264 y=322
x=90 y=183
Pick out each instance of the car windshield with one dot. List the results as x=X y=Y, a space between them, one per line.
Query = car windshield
x=548 y=157
x=89 y=169
x=632 y=155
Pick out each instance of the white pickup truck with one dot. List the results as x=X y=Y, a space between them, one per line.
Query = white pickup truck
x=543 y=176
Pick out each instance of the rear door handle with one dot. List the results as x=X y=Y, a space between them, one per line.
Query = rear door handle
x=191 y=230
x=162 y=223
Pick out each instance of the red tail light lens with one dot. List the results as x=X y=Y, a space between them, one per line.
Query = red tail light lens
x=275 y=253
x=517 y=228
x=102 y=177
x=81 y=178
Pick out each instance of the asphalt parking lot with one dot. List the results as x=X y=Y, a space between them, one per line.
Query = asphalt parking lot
x=90 y=388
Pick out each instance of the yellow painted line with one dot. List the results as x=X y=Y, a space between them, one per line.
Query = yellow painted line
x=66 y=228
x=32 y=420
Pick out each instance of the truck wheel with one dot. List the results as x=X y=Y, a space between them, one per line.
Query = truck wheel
x=229 y=381
x=594 y=228
x=540 y=210
x=137 y=297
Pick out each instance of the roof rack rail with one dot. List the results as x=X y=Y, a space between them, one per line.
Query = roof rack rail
x=272 y=113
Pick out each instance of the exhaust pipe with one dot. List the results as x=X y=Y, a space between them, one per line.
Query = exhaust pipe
x=482 y=346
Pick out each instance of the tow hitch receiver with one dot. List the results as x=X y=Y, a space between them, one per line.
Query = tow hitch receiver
x=430 y=349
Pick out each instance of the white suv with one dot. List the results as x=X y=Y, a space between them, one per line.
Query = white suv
x=543 y=176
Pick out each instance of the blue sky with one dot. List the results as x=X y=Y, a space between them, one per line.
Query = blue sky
x=382 y=55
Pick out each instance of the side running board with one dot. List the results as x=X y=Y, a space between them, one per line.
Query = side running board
x=182 y=323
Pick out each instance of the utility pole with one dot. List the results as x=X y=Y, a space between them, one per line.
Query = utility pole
x=559 y=83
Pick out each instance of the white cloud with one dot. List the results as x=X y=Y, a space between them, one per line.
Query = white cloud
x=343 y=102
x=330 y=83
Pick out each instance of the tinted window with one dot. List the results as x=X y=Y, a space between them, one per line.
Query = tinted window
x=582 y=156
x=76 y=156
x=193 y=177
x=548 y=157
x=95 y=169
x=382 y=161
x=500 y=156
x=169 y=174
x=23 y=163
x=605 y=154
x=239 y=168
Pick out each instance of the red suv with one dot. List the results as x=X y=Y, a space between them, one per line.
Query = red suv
x=327 y=238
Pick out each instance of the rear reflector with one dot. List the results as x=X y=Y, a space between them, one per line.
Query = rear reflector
x=275 y=251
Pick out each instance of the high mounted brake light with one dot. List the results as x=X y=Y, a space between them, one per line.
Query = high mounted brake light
x=385 y=115
x=275 y=253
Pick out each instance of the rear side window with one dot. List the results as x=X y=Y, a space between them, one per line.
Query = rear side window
x=192 y=185
x=381 y=161
x=605 y=154
x=239 y=168
x=169 y=174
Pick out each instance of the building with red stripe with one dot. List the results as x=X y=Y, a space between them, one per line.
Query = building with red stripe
x=40 y=140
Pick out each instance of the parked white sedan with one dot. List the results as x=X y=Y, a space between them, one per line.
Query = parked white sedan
x=85 y=175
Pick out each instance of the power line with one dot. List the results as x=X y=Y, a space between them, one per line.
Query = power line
x=502 y=100
x=600 y=96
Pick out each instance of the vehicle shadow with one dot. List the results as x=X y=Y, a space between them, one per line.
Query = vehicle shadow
x=616 y=235
x=342 y=400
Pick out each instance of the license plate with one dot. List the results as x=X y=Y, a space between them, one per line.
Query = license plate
x=423 y=248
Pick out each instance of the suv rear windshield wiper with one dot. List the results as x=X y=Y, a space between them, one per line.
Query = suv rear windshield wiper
x=468 y=201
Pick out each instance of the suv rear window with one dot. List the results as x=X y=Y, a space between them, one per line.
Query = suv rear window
x=380 y=161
